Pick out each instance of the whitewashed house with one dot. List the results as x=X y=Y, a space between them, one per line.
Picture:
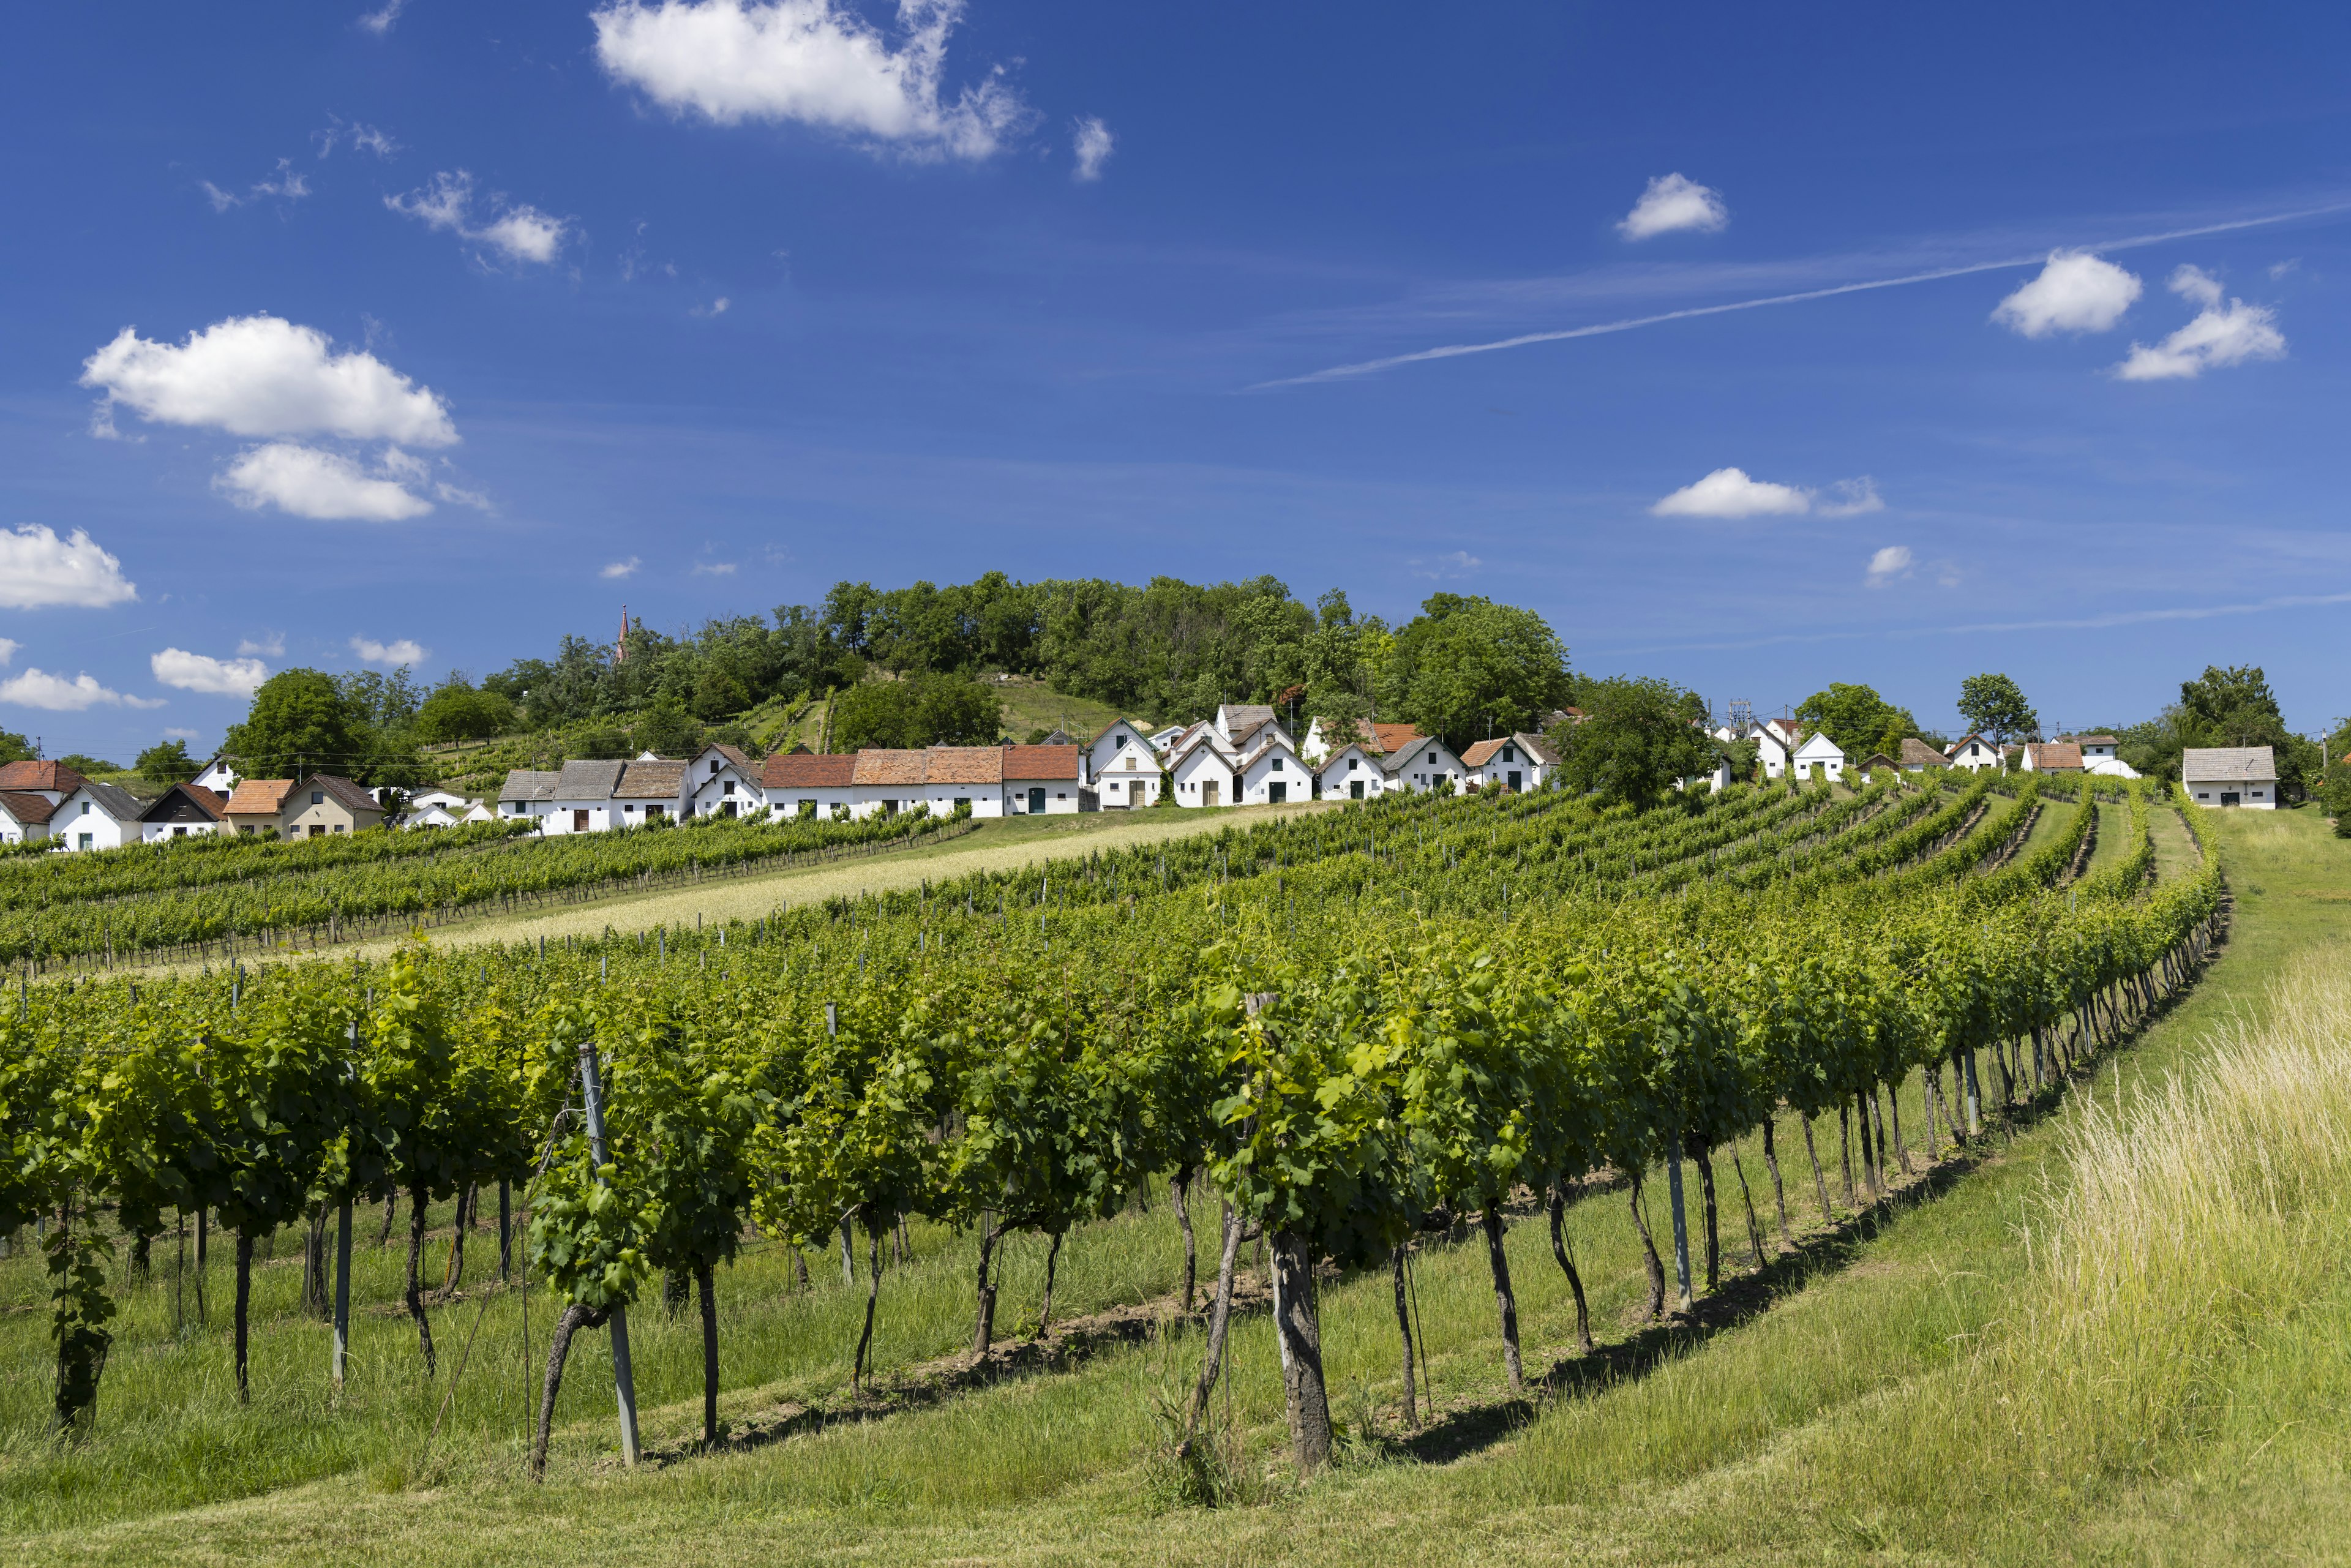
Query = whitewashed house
x=183 y=811
x=433 y=815
x=2222 y=775
x=810 y=784
x=1421 y=766
x=1042 y=780
x=1819 y=751
x=1163 y=741
x=720 y=781
x=1772 y=751
x=219 y=776
x=1270 y=774
x=1202 y=772
x=98 y=817
x=1122 y=766
x=1517 y=762
x=527 y=793
x=1973 y=752
x=24 y=817
x=477 y=812
x=651 y=789
x=1352 y=774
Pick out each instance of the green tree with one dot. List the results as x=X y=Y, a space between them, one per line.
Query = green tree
x=922 y=710
x=1466 y=668
x=1995 y=708
x=1638 y=736
x=1857 y=719
x=2233 y=705
x=300 y=723
x=667 y=729
x=168 y=763
x=459 y=711
x=83 y=763
x=15 y=748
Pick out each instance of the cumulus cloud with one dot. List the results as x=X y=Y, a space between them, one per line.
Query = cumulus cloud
x=379 y=21
x=1673 y=202
x=55 y=694
x=2075 y=292
x=1888 y=565
x=270 y=644
x=287 y=186
x=2223 y=333
x=202 y=673
x=1729 y=493
x=1851 y=498
x=38 y=568
x=176 y=731
x=310 y=482
x=7 y=651
x=810 y=61
x=403 y=650
x=1094 y=144
x=517 y=232
x=359 y=137
x=621 y=569
x=262 y=375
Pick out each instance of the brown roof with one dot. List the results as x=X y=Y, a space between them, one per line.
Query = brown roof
x=2091 y=739
x=651 y=781
x=1917 y=753
x=1056 y=762
x=346 y=794
x=964 y=765
x=2056 y=757
x=1878 y=759
x=26 y=808
x=258 y=797
x=1478 y=755
x=40 y=776
x=808 y=770
x=203 y=800
x=735 y=756
x=1393 y=738
x=875 y=766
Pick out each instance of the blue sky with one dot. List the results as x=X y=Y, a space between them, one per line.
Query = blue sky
x=328 y=328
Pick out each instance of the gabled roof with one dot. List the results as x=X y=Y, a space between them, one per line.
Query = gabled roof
x=964 y=765
x=264 y=797
x=808 y=770
x=2056 y=757
x=202 y=802
x=40 y=776
x=587 y=780
x=1917 y=753
x=116 y=802
x=651 y=781
x=1878 y=759
x=1484 y=751
x=877 y=766
x=522 y=785
x=733 y=756
x=1387 y=737
x=1237 y=719
x=27 y=809
x=1818 y=743
x=347 y=795
x=1059 y=763
x=1272 y=739
x=2228 y=765
x=2091 y=739
x=1961 y=745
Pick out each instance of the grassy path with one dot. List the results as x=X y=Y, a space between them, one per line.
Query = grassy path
x=1852 y=1419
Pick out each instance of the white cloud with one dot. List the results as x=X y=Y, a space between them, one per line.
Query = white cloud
x=38 y=568
x=202 y=673
x=271 y=644
x=2222 y=334
x=810 y=61
x=310 y=482
x=1889 y=564
x=7 y=651
x=2075 y=292
x=621 y=569
x=289 y=185
x=714 y=568
x=405 y=651
x=1851 y=498
x=55 y=694
x=261 y=376
x=717 y=307
x=1094 y=144
x=517 y=232
x=175 y=732
x=1671 y=203
x=360 y=138
x=1729 y=493
x=379 y=22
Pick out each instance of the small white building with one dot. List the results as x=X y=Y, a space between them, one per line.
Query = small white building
x=98 y=817
x=219 y=776
x=1122 y=766
x=477 y=812
x=1201 y=772
x=527 y=793
x=1163 y=741
x=809 y=784
x=24 y=817
x=1352 y=774
x=1819 y=751
x=1517 y=762
x=651 y=789
x=1043 y=780
x=720 y=781
x=1773 y=748
x=183 y=811
x=1271 y=774
x=2230 y=776
x=580 y=799
x=1422 y=766
x=433 y=815
x=1973 y=752
x=2050 y=756
x=424 y=800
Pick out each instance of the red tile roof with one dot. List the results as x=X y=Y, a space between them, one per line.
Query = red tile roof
x=964 y=765
x=1055 y=762
x=27 y=809
x=40 y=776
x=888 y=768
x=808 y=770
x=2052 y=756
x=1393 y=738
x=258 y=797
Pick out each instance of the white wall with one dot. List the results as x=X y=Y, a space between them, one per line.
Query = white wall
x=1203 y=766
x=1343 y=772
x=1061 y=796
x=157 y=832
x=80 y=819
x=1276 y=766
x=2260 y=795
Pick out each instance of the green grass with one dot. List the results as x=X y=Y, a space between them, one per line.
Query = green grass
x=1851 y=1407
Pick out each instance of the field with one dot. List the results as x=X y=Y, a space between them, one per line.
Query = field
x=1882 y=1388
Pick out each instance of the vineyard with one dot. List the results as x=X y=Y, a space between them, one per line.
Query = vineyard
x=1333 y=1042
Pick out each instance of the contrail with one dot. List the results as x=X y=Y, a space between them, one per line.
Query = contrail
x=1456 y=351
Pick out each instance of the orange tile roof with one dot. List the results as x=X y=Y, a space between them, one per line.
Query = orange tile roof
x=964 y=765
x=1056 y=762
x=808 y=770
x=875 y=766
x=258 y=797
x=40 y=776
x=1393 y=738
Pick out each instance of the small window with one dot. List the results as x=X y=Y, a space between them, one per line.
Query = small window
x=1354 y=763
x=317 y=797
x=1509 y=756
x=730 y=787
x=713 y=768
x=1276 y=765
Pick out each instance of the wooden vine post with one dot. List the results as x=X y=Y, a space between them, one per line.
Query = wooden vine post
x=624 y=1383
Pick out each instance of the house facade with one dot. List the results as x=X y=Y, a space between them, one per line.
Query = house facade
x=255 y=805
x=1973 y=752
x=2050 y=756
x=809 y=784
x=1421 y=764
x=1819 y=751
x=2224 y=776
x=97 y=817
x=722 y=782
x=1122 y=766
x=24 y=816
x=1517 y=762
x=1201 y=772
x=184 y=810
x=1772 y=751
x=1270 y=773
x=527 y=793
x=219 y=776
x=323 y=806
x=1350 y=774
x=1042 y=780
